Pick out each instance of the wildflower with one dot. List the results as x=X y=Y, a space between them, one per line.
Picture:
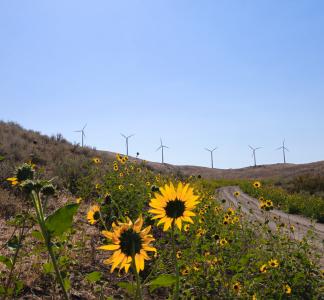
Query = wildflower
x=263 y=268
x=261 y=199
x=121 y=174
x=223 y=242
x=273 y=263
x=93 y=214
x=116 y=168
x=195 y=268
x=236 y=287
x=120 y=187
x=97 y=186
x=236 y=194
x=130 y=244
x=186 y=227
x=78 y=200
x=269 y=203
x=287 y=289
x=148 y=183
x=257 y=184
x=173 y=206
x=119 y=157
x=226 y=221
x=184 y=271
x=96 y=160
x=231 y=211
x=179 y=254
x=292 y=228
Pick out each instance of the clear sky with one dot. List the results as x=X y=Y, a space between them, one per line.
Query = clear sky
x=196 y=73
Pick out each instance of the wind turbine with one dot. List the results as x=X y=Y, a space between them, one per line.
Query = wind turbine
x=162 y=147
x=284 y=149
x=82 y=133
x=253 y=153
x=211 y=156
x=126 y=139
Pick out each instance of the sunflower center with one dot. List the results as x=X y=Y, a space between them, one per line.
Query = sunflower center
x=96 y=215
x=175 y=208
x=130 y=242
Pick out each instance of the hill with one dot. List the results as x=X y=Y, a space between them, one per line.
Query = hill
x=55 y=154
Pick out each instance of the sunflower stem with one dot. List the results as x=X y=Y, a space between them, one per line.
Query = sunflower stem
x=138 y=281
x=177 y=287
x=41 y=221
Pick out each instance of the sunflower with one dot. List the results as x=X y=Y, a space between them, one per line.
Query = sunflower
x=120 y=187
x=236 y=194
x=96 y=160
x=184 y=271
x=93 y=214
x=257 y=184
x=179 y=254
x=263 y=268
x=172 y=206
x=186 y=227
x=129 y=242
x=269 y=203
x=116 y=168
x=273 y=263
x=223 y=242
x=13 y=181
x=236 y=287
x=287 y=289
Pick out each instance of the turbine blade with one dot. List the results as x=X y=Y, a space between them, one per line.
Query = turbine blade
x=84 y=126
x=123 y=135
x=215 y=149
x=158 y=148
x=207 y=149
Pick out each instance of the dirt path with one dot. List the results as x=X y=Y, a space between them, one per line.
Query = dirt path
x=250 y=207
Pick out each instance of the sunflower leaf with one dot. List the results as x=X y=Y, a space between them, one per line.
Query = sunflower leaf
x=61 y=220
x=93 y=277
x=164 y=280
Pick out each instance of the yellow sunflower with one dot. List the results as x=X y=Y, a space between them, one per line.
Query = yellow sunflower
x=129 y=242
x=173 y=206
x=13 y=181
x=263 y=268
x=236 y=287
x=93 y=214
x=186 y=227
x=257 y=184
x=236 y=194
x=96 y=160
x=287 y=289
x=273 y=263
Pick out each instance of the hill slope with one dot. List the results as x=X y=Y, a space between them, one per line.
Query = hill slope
x=18 y=144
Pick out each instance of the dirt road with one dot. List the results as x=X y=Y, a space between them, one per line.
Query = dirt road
x=250 y=207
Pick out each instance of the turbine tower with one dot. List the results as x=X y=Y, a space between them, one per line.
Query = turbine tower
x=82 y=133
x=253 y=153
x=211 y=156
x=284 y=149
x=162 y=147
x=126 y=140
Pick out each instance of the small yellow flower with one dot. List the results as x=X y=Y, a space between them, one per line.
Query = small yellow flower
x=184 y=271
x=121 y=174
x=78 y=200
x=96 y=160
x=236 y=194
x=287 y=289
x=97 y=185
x=186 y=227
x=273 y=263
x=120 y=187
x=263 y=268
x=257 y=184
x=223 y=242
x=93 y=214
x=116 y=168
x=148 y=183
x=237 y=287
x=179 y=254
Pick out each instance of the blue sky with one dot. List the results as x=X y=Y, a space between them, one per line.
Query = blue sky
x=196 y=73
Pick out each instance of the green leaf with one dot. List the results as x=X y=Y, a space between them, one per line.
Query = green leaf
x=130 y=288
x=61 y=220
x=37 y=235
x=93 y=277
x=5 y=260
x=2 y=158
x=67 y=284
x=164 y=280
x=48 y=268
